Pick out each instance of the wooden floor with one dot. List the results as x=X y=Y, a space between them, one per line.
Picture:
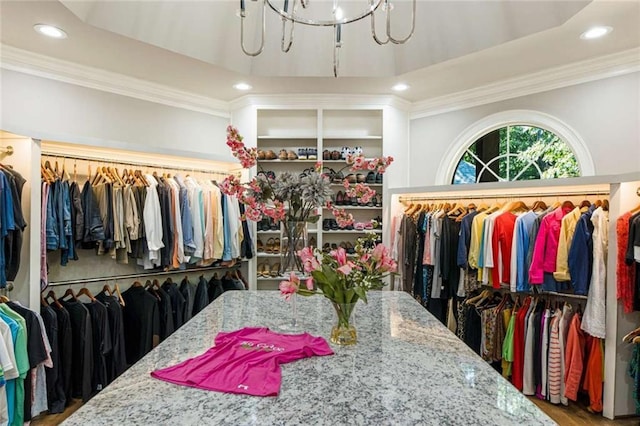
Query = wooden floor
x=573 y=415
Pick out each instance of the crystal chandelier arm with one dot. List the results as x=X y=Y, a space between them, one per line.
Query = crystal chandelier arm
x=243 y=15
x=413 y=24
x=286 y=48
x=373 y=31
x=337 y=37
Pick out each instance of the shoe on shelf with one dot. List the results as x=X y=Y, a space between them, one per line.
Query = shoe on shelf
x=274 y=225
x=357 y=150
x=334 y=225
x=345 y=151
x=343 y=245
x=282 y=155
x=368 y=226
x=261 y=155
x=270 y=155
x=378 y=200
x=326 y=154
x=275 y=269
x=338 y=177
x=340 y=198
x=292 y=155
x=269 y=247
x=371 y=178
x=259 y=246
x=335 y=155
x=312 y=153
x=359 y=226
x=326 y=248
x=349 y=248
x=302 y=153
x=326 y=224
x=313 y=242
x=360 y=178
x=276 y=246
x=352 y=178
x=379 y=178
x=334 y=246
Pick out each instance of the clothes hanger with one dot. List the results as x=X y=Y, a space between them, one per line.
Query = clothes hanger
x=568 y=204
x=116 y=289
x=107 y=289
x=136 y=284
x=629 y=337
x=85 y=292
x=69 y=292
x=605 y=205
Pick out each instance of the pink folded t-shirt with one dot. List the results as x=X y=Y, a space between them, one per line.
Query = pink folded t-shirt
x=244 y=361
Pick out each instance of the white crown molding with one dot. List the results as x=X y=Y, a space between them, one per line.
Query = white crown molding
x=616 y=64
x=329 y=101
x=27 y=62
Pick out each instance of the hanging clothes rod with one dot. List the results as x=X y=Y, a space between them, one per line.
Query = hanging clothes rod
x=502 y=196
x=135 y=163
x=141 y=275
x=7 y=150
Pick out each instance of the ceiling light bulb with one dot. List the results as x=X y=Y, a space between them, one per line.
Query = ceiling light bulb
x=339 y=14
x=242 y=86
x=50 y=31
x=595 y=32
x=400 y=87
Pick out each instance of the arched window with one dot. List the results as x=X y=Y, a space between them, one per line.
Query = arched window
x=516 y=152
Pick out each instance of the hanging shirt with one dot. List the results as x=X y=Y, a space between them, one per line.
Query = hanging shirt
x=246 y=361
x=567 y=228
x=593 y=321
x=546 y=246
x=502 y=241
x=625 y=273
x=194 y=194
x=580 y=259
x=152 y=224
x=519 y=276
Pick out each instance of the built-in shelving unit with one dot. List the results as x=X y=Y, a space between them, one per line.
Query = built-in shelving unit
x=319 y=130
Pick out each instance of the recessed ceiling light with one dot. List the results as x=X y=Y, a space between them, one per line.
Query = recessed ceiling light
x=50 y=31
x=400 y=87
x=242 y=86
x=595 y=32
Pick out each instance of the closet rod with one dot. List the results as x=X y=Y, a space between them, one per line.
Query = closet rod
x=506 y=195
x=141 y=275
x=133 y=163
x=7 y=150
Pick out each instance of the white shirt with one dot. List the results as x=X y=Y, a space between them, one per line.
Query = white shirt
x=194 y=193
x=594 y=318
x=152 y=224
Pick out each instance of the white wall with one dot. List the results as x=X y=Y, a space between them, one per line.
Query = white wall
x=47 y=109
x=604 y=113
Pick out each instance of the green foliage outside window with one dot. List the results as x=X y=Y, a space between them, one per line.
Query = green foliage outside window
x=524 y=153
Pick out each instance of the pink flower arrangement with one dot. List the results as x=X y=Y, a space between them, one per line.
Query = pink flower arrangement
x=339 y=277
x=264 y=196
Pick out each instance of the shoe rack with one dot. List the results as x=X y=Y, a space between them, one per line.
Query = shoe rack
x=294 y=140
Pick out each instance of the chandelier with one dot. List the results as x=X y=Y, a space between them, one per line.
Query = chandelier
x=293 y=12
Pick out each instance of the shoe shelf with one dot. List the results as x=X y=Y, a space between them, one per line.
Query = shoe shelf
x=320 y=129
x=356 y=207
x=277 y=160
x=353 y=231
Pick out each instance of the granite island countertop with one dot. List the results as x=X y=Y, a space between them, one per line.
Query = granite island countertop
x=407 y=369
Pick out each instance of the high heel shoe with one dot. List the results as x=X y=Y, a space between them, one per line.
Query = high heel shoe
x=339 y=198
x=276 y=246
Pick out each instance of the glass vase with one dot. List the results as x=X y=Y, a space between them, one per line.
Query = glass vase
x=344 y=330
x=292 y=324
x=293 y=237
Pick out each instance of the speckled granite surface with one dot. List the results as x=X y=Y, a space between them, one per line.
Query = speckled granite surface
x=407 y=369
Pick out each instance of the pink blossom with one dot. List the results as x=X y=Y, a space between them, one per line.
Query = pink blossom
x=252 y=214
x=372 y=166
x=345 y=269
x=306 y=253
x=365 y=258
x=309 y=283
x=378 y=252
x=340 y=255
x=287 y=288
x=318 y=166
x=346 y=183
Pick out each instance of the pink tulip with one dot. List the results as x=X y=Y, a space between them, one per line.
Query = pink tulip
x=378 y=252
x=340 y=255
x=309 y=283
x=345 y=269
x=305 y=254
x=287 y=288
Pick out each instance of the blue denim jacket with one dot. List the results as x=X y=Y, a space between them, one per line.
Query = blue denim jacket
x=66 y=232
x=53 y=238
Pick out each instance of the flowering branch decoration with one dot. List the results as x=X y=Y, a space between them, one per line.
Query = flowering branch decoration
x=290 y=196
